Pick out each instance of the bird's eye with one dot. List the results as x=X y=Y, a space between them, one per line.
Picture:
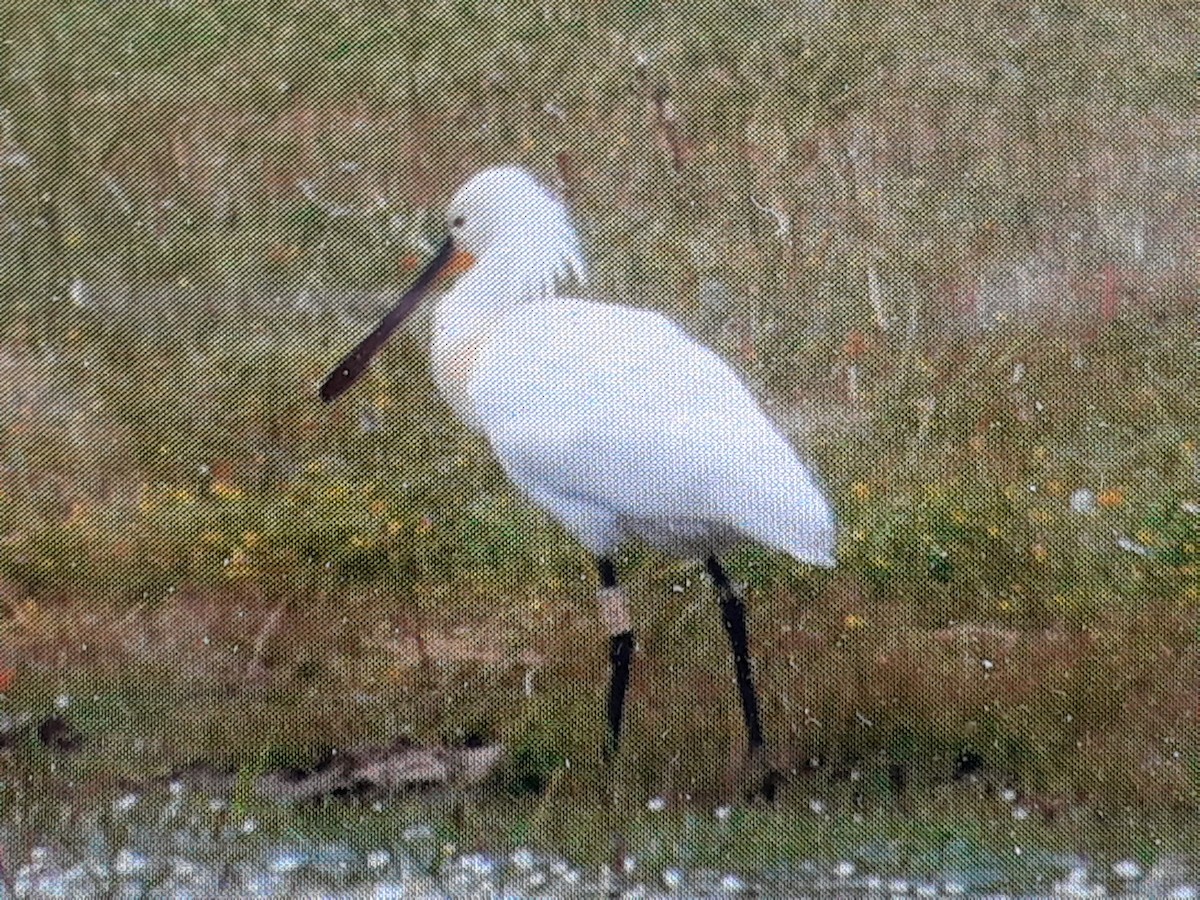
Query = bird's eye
x=459 y=222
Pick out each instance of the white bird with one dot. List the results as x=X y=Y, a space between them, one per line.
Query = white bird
x=611 y=418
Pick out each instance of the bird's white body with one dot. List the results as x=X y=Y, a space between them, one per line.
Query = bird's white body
x=609 y=417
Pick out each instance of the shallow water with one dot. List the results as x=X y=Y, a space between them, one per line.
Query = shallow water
x=307 y=869
x=185 y=847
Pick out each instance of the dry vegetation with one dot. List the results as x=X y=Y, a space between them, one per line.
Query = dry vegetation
x=954 y=245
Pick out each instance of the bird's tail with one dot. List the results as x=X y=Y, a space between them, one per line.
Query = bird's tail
x=798 y=520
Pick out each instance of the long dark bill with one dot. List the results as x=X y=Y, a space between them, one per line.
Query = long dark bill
x=352 y=366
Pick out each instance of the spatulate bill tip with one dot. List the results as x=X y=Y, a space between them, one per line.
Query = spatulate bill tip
x=334 y=385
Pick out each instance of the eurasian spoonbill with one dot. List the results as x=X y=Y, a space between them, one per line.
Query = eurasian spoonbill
x=609 y=417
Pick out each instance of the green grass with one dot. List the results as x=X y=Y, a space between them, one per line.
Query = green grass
x=263 y=591
x=213 y=565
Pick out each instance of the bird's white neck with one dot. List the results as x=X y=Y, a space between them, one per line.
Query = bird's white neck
x=524 y=266
x=466 y=316
x=521 y=269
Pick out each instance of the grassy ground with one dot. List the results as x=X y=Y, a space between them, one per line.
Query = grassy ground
x=952 y=247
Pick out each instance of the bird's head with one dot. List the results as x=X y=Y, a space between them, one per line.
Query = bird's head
x=505 y=221
x=508 y=236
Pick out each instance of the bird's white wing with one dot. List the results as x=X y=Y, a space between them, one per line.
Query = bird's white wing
x=619 y=408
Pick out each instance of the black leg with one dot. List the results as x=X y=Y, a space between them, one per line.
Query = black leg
x=608 y=572
x=733 y=616
x=620 y=648
x=620 y=651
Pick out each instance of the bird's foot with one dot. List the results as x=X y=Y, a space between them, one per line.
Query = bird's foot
x=760 y=780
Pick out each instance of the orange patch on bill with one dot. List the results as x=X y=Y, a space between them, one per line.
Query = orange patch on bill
x=458 y=263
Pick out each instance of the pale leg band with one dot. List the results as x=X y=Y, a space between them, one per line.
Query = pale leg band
x=614 y=610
